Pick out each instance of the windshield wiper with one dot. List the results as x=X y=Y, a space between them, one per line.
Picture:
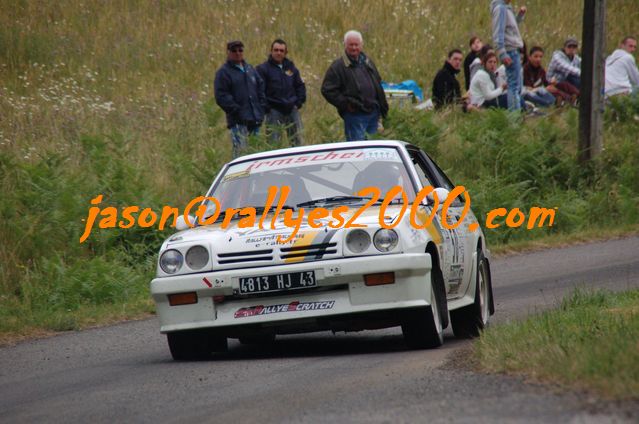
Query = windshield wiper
x=333 y=199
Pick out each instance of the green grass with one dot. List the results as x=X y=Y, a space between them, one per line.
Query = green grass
x=591 y=342
x=115 y=98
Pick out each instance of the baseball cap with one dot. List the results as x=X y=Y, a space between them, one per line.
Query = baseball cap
x=571 y=41
x=232 y=44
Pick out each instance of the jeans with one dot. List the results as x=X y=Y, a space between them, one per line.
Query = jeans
x=292 y=122
x=358 y=125
x=540 y=97
x=500 y=102
x=575 y=81
x=514 y=79
x=239 y=137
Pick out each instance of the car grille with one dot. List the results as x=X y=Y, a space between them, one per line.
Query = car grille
x=310 y=252
x=240 y=257
x=276 y=256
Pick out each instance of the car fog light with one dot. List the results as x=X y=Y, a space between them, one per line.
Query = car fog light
x=385 y=240
x=171 y=261
x=197 y=257
x=358 y=241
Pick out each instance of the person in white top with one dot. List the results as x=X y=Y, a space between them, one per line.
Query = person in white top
x=622 y=76
x=484 y=91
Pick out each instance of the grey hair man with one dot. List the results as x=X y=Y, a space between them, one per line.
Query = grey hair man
x=353 y=85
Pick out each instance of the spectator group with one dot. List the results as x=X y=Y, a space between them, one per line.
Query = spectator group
x=274 y=91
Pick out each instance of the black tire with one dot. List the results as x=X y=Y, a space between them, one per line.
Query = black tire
x=423 y=327
x=194 y=345
x=257 y=339
x=468 y=321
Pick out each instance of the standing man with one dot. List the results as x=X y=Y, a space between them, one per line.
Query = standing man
x=446 y=89
x=353 y=85
x=239 y=91
x=285 y=93
x=622 y=76
x=508 y=42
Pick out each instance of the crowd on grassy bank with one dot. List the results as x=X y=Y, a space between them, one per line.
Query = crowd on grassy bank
x=274 y=91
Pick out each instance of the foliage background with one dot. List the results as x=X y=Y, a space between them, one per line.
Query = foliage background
x=115 y=98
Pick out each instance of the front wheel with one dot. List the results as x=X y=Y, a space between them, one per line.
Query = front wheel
x=423 y=328
x=193 y=345
x=468 y=321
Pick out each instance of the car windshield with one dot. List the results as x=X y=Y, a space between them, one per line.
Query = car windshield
x=329 y=177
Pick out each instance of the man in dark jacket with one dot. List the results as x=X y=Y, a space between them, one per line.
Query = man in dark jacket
x=285 y=93
x=446 y=89
x=353 y=85
x=239 y=91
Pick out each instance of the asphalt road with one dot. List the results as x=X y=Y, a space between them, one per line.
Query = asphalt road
x=124 y=373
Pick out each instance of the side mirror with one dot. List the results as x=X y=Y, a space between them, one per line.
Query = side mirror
x=442 y=194
x=181 y=224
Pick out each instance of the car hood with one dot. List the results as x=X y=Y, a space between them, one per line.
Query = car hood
x=235 y=247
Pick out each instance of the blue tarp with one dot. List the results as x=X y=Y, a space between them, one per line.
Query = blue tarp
x=406 y=85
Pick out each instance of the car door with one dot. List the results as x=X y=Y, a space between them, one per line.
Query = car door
x=446 y=240
x=463 y=242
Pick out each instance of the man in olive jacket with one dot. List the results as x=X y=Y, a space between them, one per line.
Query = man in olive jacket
x=353 y=85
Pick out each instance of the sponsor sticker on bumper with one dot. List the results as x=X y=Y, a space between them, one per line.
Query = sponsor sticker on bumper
x=296 y=306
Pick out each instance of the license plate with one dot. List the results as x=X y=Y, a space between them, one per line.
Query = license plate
x=277 y=282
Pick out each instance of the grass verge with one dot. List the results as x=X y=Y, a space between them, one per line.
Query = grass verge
x=591 y=342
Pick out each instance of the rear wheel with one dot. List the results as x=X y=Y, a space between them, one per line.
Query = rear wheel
x=423 y=328
x=470 y=320
x=195 y=344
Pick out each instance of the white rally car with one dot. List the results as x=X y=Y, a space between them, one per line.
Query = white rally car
x=226 y=280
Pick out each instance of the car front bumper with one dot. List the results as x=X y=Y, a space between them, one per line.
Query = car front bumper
x=340 y=291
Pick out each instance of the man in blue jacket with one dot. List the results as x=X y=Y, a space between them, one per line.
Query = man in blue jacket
x=239 y=91
x=285 y=93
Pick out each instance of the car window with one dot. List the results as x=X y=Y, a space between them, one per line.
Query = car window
x=312 y=176
x=421 y=169
x=431 y=174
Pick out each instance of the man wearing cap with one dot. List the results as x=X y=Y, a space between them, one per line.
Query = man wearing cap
x=622 y=75
x=239 y=91
x=508 y=43
x=285 y=93
x=353 y=85
x=565 y=67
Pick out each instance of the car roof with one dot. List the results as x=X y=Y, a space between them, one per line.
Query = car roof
x=318 y=147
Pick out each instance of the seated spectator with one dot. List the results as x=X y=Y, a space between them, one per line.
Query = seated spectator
x=535 y=77
x=476 y=64
x=446 y=89
x=475 y=47
x=537 y=87
x=484 y=91
x=565 y=68
x=622 y=76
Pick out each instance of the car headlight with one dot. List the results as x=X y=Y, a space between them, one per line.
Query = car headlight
x=358 y=241
x=171 y=261
x=197 y=257
x=385 y=240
